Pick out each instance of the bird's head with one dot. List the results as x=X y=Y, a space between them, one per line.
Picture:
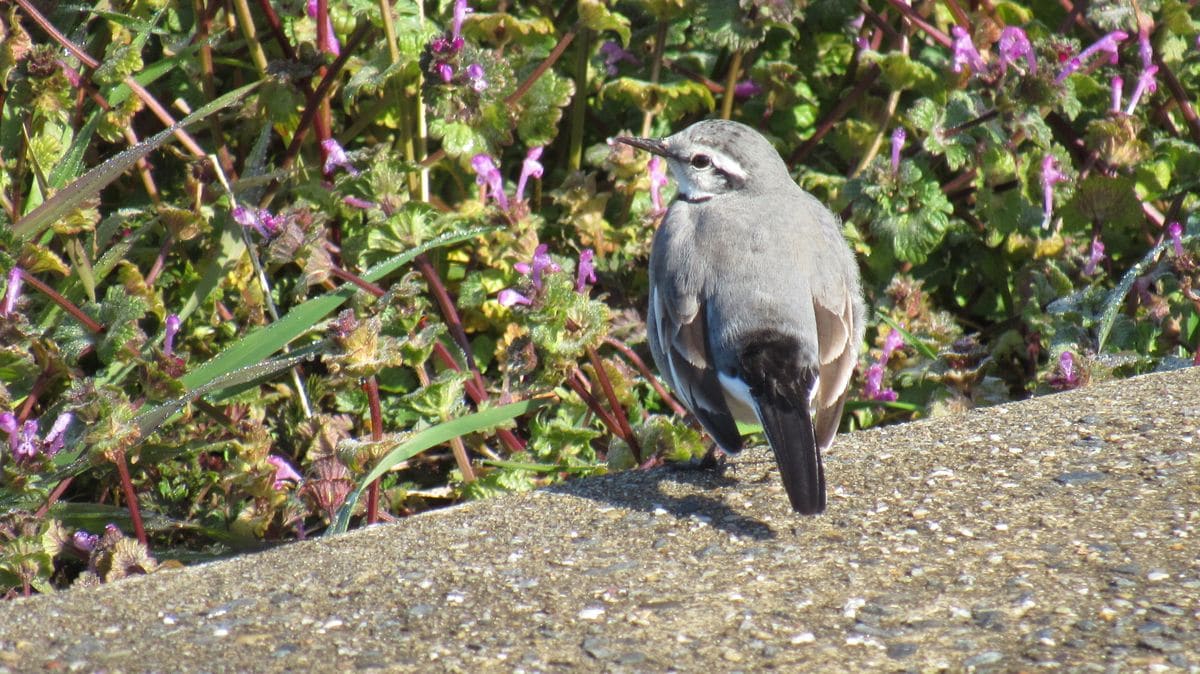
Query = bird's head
x=717 y=157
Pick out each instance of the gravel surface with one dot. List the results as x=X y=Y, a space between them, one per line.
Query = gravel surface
x=1058 y=533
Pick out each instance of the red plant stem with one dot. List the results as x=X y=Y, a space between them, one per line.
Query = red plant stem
x=1181 y=98
x=357 y=280
x=268 y=13
x=574 y=381
x=371 y=388
x=449 y=313
x=961 y=181
x=638 y=363
x=985 y=117
x=39 y=387
x=960 y=16
x=160 y=261
x=839 y=111
x=312 y=104
x=911 y=14
x=68 y=306
x=130 y=497
x=478 y=394
x=524 y=87
x=614 y=404
x=55 y=494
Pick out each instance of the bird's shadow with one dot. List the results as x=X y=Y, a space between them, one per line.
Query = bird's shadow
x=642 y=490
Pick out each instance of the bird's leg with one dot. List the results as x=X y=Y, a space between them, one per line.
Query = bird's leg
x=714 y=460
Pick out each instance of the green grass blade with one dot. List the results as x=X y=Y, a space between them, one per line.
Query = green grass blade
x=909 y=338
x=432 y=437
x=1116 y=297
x=149 y=421
x=71 y=164
x=89 y=184
x=265 y=341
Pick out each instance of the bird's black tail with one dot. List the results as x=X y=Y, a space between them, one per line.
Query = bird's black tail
x=769 y=364
x=789 y=430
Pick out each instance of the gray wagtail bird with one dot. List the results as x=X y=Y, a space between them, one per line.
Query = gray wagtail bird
x=756 y=310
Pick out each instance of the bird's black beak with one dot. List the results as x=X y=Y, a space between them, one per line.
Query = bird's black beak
x=651 y=145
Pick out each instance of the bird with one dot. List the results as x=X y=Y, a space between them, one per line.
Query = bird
x=756 y=311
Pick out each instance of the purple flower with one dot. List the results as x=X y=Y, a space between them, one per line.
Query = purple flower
x=172 y=329
x=531 y=167
x=488 y=174
x=586 y=272
x=446 y=71
x=260 y=220
x=1145 y=83
x=476 y=75
x=965 y=52
x=898 y=137
x=1145 y=50
x=23 y=439
x=1014 y=44
x=24 y=442
x=1094 y=258
x=873 y=385
x=1175 y=233
x=335 y=158
x=283 y=472
x=614 y=54
x=746 y=89
x=658 y=180
x=1051 y=176
x=334 y=47
x=13 y=293
x=460 y=13
x=1107 y=44
x=1066 y=377
x=84 y=541
x=359 y=203
x=509 y=298
x=1118 y=88
x=540 y=263
x=893 y=341
x=53 y=442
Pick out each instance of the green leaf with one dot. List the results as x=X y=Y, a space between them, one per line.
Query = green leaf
x=458 y=139
x=119 y=314
x=538 y=123
x=1109 y=201
x=675 y=98
x=901 y=72
x=431 y=437
x=502 y=28
x=597 y=16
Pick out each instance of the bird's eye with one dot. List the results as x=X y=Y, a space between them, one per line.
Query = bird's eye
x=701 y=161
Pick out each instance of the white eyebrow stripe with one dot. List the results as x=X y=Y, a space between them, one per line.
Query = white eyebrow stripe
x=727 y=164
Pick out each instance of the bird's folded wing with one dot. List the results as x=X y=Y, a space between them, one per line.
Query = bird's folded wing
x=684 y=339
x=838 y=354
